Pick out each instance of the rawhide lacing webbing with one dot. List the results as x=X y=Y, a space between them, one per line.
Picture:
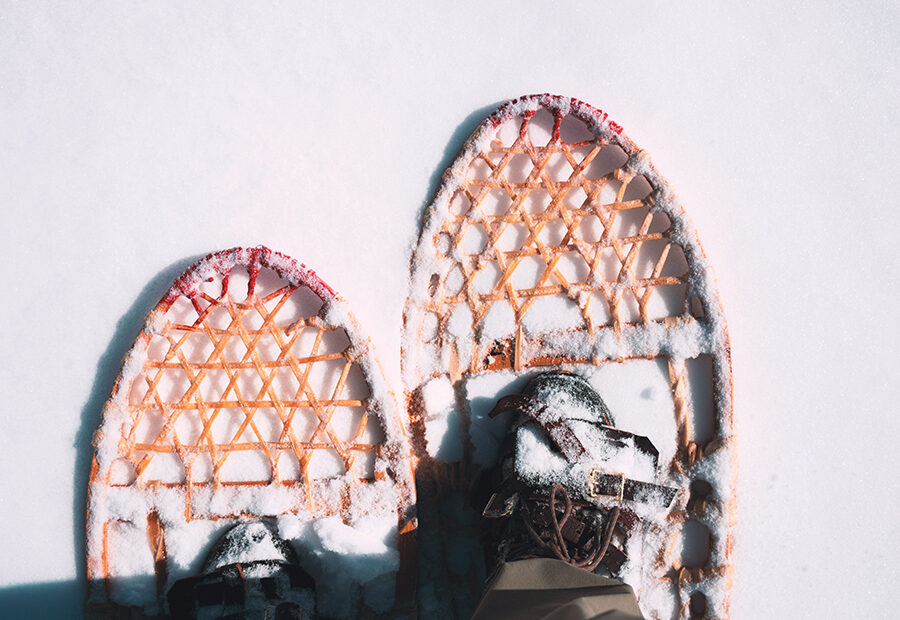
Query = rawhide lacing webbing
x=593 y=235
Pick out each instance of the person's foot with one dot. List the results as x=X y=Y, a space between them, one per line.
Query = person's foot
x=250 y=574
x=568 y=484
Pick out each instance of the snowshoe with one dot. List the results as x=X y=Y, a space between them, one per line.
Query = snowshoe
x=250 y=394
x=553 y=244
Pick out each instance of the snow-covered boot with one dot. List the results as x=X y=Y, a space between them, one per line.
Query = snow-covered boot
x=250 y=574
x=568 y=484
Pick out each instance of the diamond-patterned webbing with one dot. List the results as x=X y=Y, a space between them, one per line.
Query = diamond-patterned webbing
x=275 y=354
x=600 y=257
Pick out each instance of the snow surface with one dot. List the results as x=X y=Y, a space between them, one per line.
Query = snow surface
x=138 y=138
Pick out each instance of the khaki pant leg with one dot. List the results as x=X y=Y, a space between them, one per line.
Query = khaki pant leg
x=547 y=589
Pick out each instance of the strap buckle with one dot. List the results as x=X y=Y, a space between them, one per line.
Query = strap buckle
x=493 y=511
x=594 y=489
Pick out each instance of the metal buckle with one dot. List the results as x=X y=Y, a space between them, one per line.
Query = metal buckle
x=509 y=505
x=593 y=483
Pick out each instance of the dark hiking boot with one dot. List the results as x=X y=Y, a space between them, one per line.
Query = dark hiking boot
x=250 y=574
x=568 y=484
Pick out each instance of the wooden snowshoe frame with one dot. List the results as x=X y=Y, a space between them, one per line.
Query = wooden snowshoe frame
x=549 y=200
x=246 y=350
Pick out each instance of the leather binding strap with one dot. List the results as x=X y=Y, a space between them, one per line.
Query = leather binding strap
x=618 y=486
x=560 y=432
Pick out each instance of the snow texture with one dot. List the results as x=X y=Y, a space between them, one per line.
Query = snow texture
x=442 y=425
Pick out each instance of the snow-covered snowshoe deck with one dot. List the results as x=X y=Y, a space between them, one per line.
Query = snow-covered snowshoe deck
x=554 y=243
x=250 y=394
